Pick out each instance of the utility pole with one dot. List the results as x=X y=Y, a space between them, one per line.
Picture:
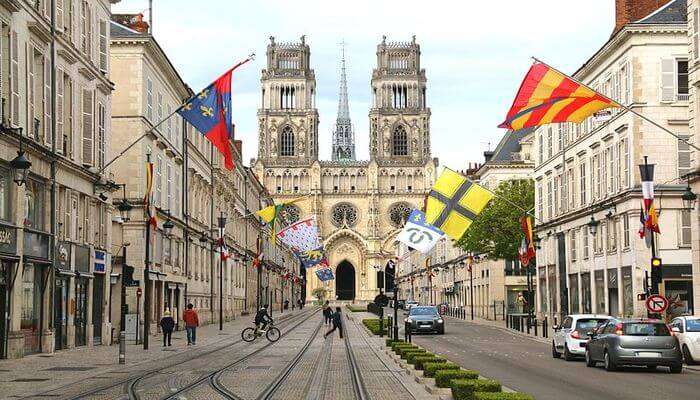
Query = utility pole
x=147 y=271
x=222 y=230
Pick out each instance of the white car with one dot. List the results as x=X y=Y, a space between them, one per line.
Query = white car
x=409 y=304
x=571 y=338
x=687 y=330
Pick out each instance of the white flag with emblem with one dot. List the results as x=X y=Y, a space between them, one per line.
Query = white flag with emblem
x=418 y=234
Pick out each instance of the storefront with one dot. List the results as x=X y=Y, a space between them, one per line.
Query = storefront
x=82 y=282
x=35 y=273
x=8 y=273
x=64 y=270
x=678 y=288
x=98 y=295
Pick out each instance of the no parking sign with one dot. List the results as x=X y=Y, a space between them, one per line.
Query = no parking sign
x=656 y=303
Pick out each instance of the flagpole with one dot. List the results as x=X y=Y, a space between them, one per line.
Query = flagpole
x=154 y=127
x=655 y=278
x=623 y=106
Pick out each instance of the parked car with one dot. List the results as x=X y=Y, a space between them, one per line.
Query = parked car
x=571 y=338
x=687 y=330
x=410 y=303
x=425 y=319
x=638 y=341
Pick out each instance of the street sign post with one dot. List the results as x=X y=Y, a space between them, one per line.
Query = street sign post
x=656 y=304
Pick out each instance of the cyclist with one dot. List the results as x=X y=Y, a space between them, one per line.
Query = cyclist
x=262 y=318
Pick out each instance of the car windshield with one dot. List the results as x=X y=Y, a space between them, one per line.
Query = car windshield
x=423 y=311
x=692 y=325
x=645 y=329
x=588 y=324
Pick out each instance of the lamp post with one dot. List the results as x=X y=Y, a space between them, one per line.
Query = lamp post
x=689 y=198
x=222 y=229
x=20 y=165
x=147 y=270
x=124 y=207
x=593 y=226
x=470 y=262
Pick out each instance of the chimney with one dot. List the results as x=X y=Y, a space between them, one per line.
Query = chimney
x=133 y=21
x=627 y=11
x=487 y=156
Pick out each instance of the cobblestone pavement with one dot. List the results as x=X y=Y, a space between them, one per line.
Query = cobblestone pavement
x=67 y=373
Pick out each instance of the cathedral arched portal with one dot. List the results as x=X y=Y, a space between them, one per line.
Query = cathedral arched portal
x=345 y=281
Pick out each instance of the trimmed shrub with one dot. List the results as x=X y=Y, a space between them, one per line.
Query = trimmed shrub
x=400 y=350
x=353 y=308
x=404 y=354
x=373 y=325
x=390 y=342
x=411 y=357
x=444 y=377
x=500 y=396
x=429 y=369
x=420 y=361
x=467 y=389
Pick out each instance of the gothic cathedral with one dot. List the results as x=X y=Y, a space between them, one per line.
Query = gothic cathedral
x=360 y=205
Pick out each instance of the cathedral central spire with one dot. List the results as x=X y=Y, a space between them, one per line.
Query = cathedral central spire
x=343 y=137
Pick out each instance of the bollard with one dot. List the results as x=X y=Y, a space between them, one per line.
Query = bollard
x=544 y=327
x=528 y=324
x=535 y=326
x=122 y=347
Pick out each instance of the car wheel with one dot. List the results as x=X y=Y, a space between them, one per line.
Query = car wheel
x=687 y=357
x=555 y=353
x=609 y=363
x=567 y=354
x=676 y=369
x=441 y=332
x=589 y=361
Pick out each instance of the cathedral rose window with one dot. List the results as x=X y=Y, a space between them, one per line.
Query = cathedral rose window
x=290 y=214
x=398 y=214
x=344 y=214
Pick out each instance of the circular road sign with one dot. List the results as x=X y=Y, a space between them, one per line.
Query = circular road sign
x=656 y=303
x=138 y=292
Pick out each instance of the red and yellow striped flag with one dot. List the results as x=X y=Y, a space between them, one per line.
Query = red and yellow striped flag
x=546 y=96
x=147 y=197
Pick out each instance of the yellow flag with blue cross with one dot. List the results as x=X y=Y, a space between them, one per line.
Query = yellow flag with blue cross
x=454 y=202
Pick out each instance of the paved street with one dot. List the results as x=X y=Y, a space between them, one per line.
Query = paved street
x=526 y=365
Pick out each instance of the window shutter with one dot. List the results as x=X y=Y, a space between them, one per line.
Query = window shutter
x=59 y=112
x=3 y=61
x=103 y=46
x=684 y=152
x=59 y=15
x=30 y=92
x=88 y=142
x=48 y=120
x=100 y=145
x=668 y=78
x=14 y=79
x=696 y=27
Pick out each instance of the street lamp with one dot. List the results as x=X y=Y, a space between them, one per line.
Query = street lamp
x=593 y=226
x=20 y=167
x=168 y=226
x=124 y=206
x=222 y=227
x=689 y=198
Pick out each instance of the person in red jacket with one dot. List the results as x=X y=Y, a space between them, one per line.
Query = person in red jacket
x=191 y=323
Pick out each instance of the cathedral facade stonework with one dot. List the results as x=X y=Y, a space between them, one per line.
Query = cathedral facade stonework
x=360 y=206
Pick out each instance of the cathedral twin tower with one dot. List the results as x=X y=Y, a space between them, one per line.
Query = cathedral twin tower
x=359 y=205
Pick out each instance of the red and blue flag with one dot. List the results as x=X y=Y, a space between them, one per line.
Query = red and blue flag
x=209 y=112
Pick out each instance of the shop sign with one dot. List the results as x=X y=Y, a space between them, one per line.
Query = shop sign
x=36 y=244
x=8 y=240
x=100 y=261
x=82 y=258
x=63 y=256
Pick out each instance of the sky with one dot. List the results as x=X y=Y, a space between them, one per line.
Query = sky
x=475 y=54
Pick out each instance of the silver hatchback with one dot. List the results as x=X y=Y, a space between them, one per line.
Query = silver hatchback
x=640 y=341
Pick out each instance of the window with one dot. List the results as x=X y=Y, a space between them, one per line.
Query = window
x=399 y=142
x=159 y=181
x=682 y=79
x=571 y=188
x=169 y=125
x=683 y=155
x=674 y=80
x=695 y=33
x=684 y=239
x=149 y=99
x=103 y=46
x=287 y=142
x=398 y=214
x=169 y=187
x=88 y=144
x=612 y=235
x=582 y=181
x=625 y=231
x=100 y=135
x=556 y=187
x=541 y=147
x=549 y=198
x=14 y=79
x=344 y=214
x=68 y=132
x=540 y=214
x=573 y=245
x=160 y=107
x=611 y=169
x=34 y=205
x=5 y=189
x=176 y=200
x=549 y=142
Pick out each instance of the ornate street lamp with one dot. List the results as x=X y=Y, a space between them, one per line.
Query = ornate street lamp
x=593 y=226
x=124 y=206
x=168 y=226
x=689 y=198
x=20 y=168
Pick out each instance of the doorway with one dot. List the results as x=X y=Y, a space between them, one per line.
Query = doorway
x=81 y=309
x=60 y=312
x=98 y=295
x=345 y=281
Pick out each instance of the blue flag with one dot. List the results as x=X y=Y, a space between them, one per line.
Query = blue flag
x=325 y=274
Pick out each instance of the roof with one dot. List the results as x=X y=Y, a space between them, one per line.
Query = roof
x=672 y=13
x=117 y=30
x=509 y=144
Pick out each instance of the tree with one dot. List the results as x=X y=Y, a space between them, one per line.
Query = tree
x=496 y=231
x=319 y=293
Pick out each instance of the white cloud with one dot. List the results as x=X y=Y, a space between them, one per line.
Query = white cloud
x=475 y=55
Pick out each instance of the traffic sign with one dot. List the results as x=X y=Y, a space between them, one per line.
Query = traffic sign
x=138 y=292
x=656 y=303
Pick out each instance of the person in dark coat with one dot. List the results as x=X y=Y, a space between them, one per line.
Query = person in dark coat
x=327 y=313
x=337 y=320
x=167 y=324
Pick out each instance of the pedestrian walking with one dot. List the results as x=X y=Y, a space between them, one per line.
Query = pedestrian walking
x=299 y=304
x=327 y=312
x=286 y=304
x=191 y=323
x=337 y=321
x=167 y=324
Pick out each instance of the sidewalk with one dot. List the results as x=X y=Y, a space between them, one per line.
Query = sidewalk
x=38 y=373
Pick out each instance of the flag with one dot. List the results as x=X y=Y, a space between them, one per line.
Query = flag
x=651 y=219
x=257 y=261
x=209 y=112
x=419 y=235
x=324 y=274
x=454 y=202
x=269 y=214
x=547 y=96
x=147 y=196
x=311 y=258
x=642 y=222
x=223 y=250
x=301 y=236
x=527 y=247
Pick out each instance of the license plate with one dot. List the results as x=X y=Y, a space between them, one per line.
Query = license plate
x=648 y=354
x=425 y=323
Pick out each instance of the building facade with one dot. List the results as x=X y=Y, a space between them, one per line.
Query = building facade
x=359 y=205
x=55 y=255
x=587 y=179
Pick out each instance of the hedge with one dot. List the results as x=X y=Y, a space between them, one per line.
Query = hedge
x=390 y=342
x=356 y=308
x=410 y=357
x=467 y=389
x=401 y=350
x=444 y=377
x=373 y=325
x=405 y=353
x=429 y=369
x=422 y=360
x=500 y=396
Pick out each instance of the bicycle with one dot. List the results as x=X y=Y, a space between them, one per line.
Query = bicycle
x=272 y=334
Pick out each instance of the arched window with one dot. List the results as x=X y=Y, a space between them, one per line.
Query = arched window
x=400 y=141
x=287 y=142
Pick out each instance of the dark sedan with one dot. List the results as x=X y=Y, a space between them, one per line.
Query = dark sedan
x=641 y=341
x=425 y=319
